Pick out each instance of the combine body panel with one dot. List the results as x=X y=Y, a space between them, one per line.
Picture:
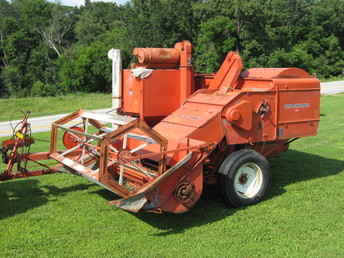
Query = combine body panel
x=165 y=89
x=138 y=94
x=185 y=130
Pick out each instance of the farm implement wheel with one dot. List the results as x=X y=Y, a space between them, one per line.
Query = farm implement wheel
x=244 y=178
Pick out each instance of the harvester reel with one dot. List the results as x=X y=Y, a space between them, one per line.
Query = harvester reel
x=124 y=150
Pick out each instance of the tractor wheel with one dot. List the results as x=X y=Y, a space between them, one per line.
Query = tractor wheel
x=244 y=178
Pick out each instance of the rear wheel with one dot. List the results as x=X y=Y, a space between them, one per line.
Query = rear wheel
x=244 y=178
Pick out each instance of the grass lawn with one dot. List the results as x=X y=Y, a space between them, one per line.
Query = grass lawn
x=10 y=109
x=302 y=216
x=338 y=78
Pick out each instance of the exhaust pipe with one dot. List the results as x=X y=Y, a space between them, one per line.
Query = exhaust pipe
x=115 y=56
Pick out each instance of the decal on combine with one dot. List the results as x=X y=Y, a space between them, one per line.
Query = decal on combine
x=303 y=105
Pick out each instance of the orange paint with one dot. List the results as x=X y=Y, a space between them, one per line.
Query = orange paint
x=187 y=122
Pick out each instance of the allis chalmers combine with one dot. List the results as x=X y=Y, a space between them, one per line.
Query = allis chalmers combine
x=182 y=130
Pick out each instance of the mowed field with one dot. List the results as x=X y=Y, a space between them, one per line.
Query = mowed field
x=302 y=216
x=11 y=109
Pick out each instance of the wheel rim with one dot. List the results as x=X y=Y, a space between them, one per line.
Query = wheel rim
x=248 y=180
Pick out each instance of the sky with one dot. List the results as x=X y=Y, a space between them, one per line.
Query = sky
x=81 y=2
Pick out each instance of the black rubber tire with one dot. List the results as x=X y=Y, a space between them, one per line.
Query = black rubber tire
x=230 y=167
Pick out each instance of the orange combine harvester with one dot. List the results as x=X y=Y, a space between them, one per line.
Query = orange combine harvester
x=173 y=131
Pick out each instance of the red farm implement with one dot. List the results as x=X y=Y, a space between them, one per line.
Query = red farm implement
x=172 y=131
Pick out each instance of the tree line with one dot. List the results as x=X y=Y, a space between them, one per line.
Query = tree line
x=47 y=49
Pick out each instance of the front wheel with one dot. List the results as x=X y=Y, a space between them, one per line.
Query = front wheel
x=244 y=178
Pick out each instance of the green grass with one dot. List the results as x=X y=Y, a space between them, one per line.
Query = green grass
x=332 y=79
x=11 y=109
x=302 y=216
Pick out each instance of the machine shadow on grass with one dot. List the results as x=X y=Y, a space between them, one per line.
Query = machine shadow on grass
x=22 y=195
x=289 y=168
x=295 y=166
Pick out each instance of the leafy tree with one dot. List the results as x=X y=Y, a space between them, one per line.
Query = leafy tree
x=57 y=34
x=216 y=38
x=20 y=42
x=87 y=67
x=160 y=23
x=95 y=19
x=47 y=49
